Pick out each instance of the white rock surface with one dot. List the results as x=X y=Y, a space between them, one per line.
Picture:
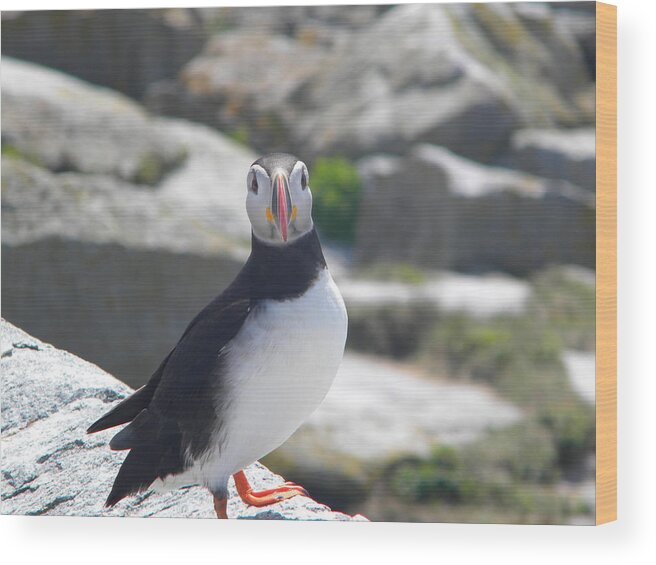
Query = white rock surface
x=581 y=369
x=558 y=154
x=50 y=466
x=478 y=296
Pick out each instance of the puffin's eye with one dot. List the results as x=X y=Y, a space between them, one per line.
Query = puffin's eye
x=254 y=186
x=303 y=181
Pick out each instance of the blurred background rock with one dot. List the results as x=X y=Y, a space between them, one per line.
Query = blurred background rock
x=452 y=158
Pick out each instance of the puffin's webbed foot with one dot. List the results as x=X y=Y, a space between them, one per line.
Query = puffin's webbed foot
x=268 y=496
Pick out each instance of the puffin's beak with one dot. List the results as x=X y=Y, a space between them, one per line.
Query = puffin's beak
x=281 y=203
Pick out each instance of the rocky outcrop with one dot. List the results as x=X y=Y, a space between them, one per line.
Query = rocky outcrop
x=470 y=217
x=50 y=466
x=357 y=81
x=579 y=21
x=117 y=227
x=464 y=76
x=237 y=77
x=298 y=21
x=126 y=50
x=55 y=121
x=63 y=125
x=556 y=154
x=130 y=50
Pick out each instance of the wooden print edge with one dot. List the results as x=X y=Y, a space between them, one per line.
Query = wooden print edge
x=606 y=263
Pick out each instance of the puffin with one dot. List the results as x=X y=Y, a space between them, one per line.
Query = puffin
x=250 y=368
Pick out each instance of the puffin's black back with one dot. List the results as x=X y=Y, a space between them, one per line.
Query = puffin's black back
x=176 y=411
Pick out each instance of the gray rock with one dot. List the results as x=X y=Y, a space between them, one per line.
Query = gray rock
x=463 y=76
x=311 y=23
x=469 y=217
x=579 y=19
x=123 y=49
x=557 y=154
x=92 y=261
x=55 y=120
x=50 y=466
x=131 y=50
x=355 y=418
x=63 y=125
x=237 y=77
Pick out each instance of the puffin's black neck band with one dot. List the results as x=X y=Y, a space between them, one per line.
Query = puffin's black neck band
x=280 y=272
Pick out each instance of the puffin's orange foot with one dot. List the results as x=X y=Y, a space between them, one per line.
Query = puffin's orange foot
x=268 y=496
x=221 y=508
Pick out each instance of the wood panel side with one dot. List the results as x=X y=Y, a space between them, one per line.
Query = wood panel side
x=606 y=304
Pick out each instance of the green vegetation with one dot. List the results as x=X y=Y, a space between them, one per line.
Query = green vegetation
x=516 y=355
x=507 y=475
x=439 y=477
x=572 y=425
x=520 y=453
x=567 y=305
x=336 y=190
x=400 y=272
x=390 y=330
x=151 y=168
x=12 y=152
x=239 y=135
x=218 y=23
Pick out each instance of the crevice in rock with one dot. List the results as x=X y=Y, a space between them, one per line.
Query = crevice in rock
x=21 y=490
x=107 y=396
x=25 y=345
x=66 y=447
x=12 y=481
x=51 y=505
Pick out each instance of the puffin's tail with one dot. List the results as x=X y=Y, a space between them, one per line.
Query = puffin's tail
x=155 y=452
x=128 y=409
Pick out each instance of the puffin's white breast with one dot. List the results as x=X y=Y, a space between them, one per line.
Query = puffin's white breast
x=279 y=367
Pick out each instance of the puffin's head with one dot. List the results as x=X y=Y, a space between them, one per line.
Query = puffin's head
x=279 y=201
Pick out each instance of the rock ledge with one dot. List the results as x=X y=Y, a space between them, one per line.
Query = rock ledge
x=50 y=466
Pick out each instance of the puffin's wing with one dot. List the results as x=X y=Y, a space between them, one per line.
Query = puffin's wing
x=175 y=415
x=191 y=388
x=128 y=409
